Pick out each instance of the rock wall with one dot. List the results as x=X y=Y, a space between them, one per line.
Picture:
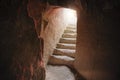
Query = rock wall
x=97 y=54
x=20 y=47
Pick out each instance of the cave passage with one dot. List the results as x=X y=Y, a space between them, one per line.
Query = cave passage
x=38 y=36
x=61 y=61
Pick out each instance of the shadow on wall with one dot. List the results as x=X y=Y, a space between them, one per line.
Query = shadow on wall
x=45 y=23
x=20 y=48
x=77 y=75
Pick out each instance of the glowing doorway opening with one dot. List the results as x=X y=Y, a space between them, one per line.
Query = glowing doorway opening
x=71 y=16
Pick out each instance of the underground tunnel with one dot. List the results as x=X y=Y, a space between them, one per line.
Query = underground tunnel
x=61 y=42
x=36 y=33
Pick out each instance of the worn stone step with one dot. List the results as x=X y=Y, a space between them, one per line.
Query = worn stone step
x=69 y=35
x=71 y=27
x=66 y=46
x=61 y=60
x=69 y=31
x=65 y=52
x=68 y=40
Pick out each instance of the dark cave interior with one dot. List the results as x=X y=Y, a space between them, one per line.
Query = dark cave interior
x=21 y=46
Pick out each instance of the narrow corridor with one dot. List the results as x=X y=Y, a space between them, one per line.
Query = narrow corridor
x=63 y=57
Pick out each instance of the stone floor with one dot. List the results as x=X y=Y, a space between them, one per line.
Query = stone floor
x=59 y=73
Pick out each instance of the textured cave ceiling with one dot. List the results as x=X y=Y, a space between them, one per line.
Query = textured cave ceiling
x=62 y=3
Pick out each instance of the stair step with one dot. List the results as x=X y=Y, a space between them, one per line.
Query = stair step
x=60 y=60
x=69 y=31
x=67 y=52
x=74 y=28
x=66 y=58
x=66 y=46
x=69 y=35
x=68 y=40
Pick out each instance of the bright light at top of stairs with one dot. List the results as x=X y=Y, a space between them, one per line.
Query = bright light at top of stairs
x=71 y=16
x=70 y=12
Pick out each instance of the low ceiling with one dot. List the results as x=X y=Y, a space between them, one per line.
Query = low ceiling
x=62 y=3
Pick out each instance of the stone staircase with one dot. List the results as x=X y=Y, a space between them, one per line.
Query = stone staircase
x=63 y=56
x=65 y=50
